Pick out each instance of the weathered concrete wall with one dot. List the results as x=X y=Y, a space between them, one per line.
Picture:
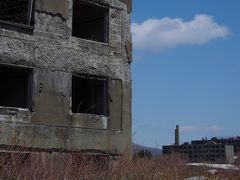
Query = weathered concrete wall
x=53 y=7
x=54 y=55
x=63 y=138
x=52 y=97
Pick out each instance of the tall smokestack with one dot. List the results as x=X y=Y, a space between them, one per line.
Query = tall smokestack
x=177 y=135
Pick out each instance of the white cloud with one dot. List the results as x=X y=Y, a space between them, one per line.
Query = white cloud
x=213 y=128
x=159 y=34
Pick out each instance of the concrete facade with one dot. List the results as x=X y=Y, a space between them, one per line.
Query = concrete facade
x=52 y=55
x=217 y=153
x=232 y=141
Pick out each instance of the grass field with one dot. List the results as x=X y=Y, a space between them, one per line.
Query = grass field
x=38 y=166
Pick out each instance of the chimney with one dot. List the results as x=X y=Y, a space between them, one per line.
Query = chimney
x=177 y=135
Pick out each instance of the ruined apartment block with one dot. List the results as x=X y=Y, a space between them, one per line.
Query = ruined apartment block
x=65 y=75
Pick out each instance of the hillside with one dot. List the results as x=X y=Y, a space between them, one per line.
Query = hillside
x=154 y=151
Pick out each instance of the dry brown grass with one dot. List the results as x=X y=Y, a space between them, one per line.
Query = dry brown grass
x=42 y=166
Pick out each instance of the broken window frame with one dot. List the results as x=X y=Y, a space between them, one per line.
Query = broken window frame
x=105 y=93
x=21 y=27
x=28 y=86
x=106 y=20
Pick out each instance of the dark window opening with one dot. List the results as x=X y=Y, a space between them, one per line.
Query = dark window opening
x=89 y=96
x=15 y=88
x=17 y=11
x=89 y=21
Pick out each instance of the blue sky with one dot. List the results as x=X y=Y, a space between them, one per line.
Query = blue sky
x=186 y=69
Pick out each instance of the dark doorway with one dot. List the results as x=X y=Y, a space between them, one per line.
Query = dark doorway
x=89 y=95
x=89 y=21
x=15 y=89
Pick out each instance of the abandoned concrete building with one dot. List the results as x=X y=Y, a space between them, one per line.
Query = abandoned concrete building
x=201 y=150
x=65 y=75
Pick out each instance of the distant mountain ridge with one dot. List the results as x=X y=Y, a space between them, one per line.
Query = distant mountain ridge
x=155 y=151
